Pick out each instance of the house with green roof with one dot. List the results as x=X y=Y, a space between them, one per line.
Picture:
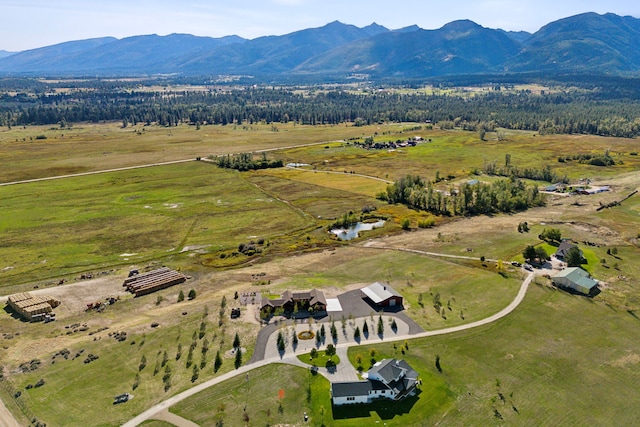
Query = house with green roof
x=576 y=279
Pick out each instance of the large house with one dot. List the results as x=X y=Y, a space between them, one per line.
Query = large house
x=313 y=300
x=388 y=379
x=576 y=279
x=382 y=295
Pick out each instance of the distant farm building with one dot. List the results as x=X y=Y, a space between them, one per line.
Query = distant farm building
x=559 y=186
x=32 y=308
x=146 y=283
x=594 y=190
x=382 y=295
x=313 y=300
x=388 y=379
x=576 y=279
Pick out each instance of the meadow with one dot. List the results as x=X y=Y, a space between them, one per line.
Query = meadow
x=43 y=151
x=64 y=227
x=535 y=366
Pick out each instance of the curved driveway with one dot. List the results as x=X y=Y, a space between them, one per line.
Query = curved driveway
x=246 y=368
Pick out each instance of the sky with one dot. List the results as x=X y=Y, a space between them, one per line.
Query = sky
x=28 y=24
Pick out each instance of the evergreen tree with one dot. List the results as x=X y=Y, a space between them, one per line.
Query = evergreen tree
x=217 y=363
x=238 y=360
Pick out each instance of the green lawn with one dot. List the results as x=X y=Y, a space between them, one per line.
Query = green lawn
x=320 y=360
x=274 y=395
x=156 y=423
x=532 y=365
x=555 y=360
x=466 y=292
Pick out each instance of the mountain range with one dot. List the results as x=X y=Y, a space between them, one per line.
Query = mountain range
x=591 y=43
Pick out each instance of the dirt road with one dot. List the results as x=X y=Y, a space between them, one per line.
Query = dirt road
x=173 y=162
x=6 y=417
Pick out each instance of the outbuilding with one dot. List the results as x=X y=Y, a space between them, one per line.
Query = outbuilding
x=576 y=279
x=382 y=295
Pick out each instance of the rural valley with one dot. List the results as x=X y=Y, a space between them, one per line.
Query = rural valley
x=304 y=247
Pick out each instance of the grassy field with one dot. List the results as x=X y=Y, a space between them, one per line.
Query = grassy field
x=532 y=365
x=459 y=153
x=466 y=292
x=71 y=383
x=520 y=369
x=274 y=395
x=26 y=155
x=66 y=226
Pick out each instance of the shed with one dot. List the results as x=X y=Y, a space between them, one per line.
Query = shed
x=382 y=295
x=576 y=279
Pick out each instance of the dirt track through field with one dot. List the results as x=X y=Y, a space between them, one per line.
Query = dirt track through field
x=6 y=417
x=50 y=178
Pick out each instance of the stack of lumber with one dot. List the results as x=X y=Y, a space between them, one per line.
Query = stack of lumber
x=152 y=281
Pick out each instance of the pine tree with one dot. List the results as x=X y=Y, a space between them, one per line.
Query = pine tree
x=238 y=360
x=236 y=341
x=217 y=362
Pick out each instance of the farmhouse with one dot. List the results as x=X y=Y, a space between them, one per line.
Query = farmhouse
x=388 y=379
x=146 y=283
x=382 y=295
x=564 y=248
x=32 y=308
x=576 y=279
x=313 y=300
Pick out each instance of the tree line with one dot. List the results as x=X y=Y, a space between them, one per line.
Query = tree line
x=570 y=112
x=504 y=195
x=246 y=162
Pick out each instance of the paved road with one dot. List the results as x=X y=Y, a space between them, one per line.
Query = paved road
x=341 y=346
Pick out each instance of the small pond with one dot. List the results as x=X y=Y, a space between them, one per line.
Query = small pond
x=352 y=232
